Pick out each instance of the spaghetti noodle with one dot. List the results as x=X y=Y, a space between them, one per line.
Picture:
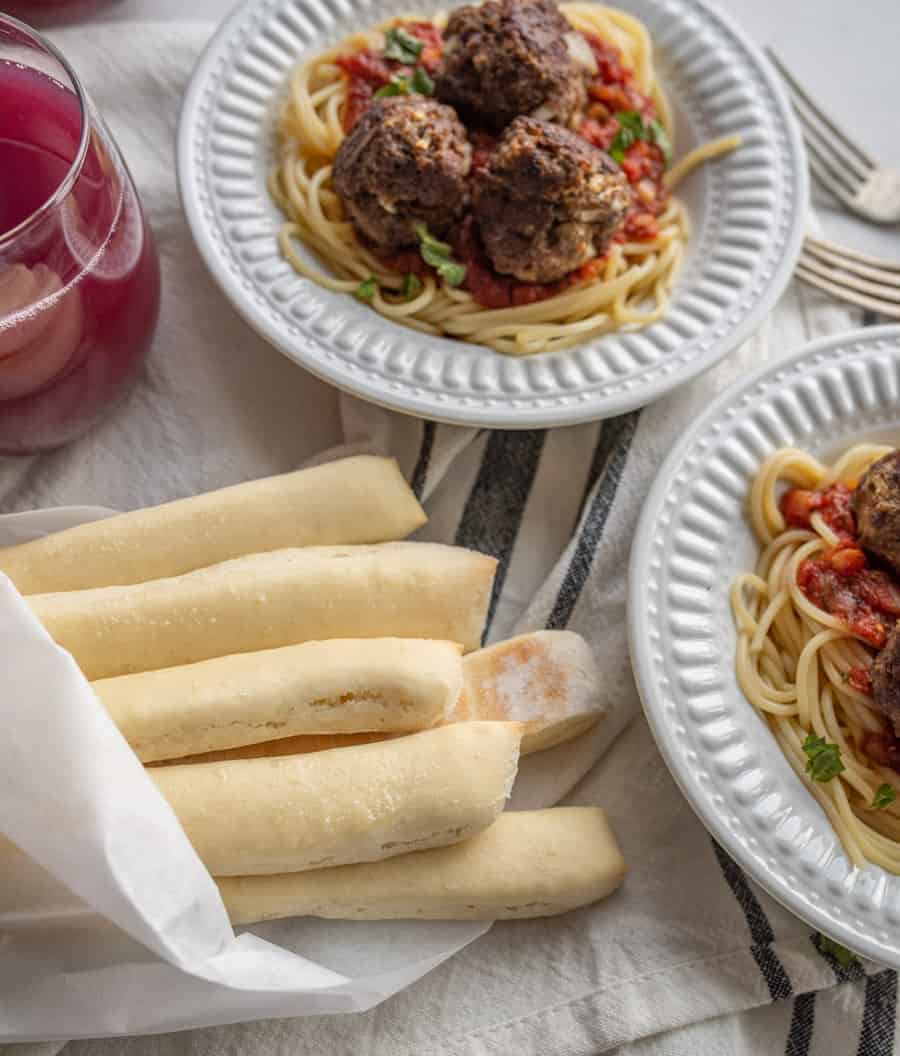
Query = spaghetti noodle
x=804 y=669
x=629 y=287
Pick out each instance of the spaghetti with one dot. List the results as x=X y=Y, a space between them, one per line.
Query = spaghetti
x=629 y=287
x=806 y=669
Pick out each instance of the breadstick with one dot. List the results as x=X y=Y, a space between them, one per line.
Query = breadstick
x=363 y=499
x=337 y=687
x=547 y=681
x=534 y=863
x=261 y=816
x=264 y=601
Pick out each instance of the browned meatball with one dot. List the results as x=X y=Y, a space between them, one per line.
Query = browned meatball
x=876 y=504
x=404 y=162
x=509 y=57
x=547 y=201
x=886 y=678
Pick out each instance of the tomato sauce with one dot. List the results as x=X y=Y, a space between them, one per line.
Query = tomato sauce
x=834 y=505
x=367 y=70
x=841 y=580
x=613 y=90
x=860 y=679
x=882 y=748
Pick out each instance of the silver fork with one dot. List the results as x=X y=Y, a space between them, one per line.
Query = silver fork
x=841 y=166
x=851 y=276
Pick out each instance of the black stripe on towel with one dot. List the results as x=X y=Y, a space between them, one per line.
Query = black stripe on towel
x=493 y=512
x=803 y=1021
x=761 y=934
x=876 y=1036
x=613 y=446
x=420 y=473
x=606 y=440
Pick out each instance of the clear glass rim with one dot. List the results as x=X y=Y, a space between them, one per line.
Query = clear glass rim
x=68 y=181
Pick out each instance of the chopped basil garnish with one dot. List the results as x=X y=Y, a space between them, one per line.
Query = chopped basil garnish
x=884 y=797
x=661 y=138
x=419 y=84
x=402 y=46
x=412 y=286
x=631 y=129
x=824 y=759
x=438 y=255
x=397 y=85
x=365 y=291
x=841 y=954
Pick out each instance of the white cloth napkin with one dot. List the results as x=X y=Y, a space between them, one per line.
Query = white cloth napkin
x=689 y=937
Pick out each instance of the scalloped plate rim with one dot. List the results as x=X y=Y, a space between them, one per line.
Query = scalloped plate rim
x=638 y=623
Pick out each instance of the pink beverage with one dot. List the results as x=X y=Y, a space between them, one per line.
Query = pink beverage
x=79 y=274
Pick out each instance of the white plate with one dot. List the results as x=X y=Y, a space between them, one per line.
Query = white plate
x=693 y=538
x=747 y=212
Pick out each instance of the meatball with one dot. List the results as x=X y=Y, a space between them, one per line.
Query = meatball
x=509 y=57
x=547 y=201
x=405 y=162
x=886 y=678
x=876 y=504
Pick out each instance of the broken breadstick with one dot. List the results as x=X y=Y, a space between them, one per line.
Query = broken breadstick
x=265 y=601
x=261 y=816
x=546 y=681
x=533 y=863
x=363 y=499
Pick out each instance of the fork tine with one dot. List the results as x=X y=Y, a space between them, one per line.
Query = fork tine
x=850 y=185
x=888 y=278
x=800 y=93
x=853 y=282
x=828 y=143
x=843 y=293
x=827 y=180
x=852 y=254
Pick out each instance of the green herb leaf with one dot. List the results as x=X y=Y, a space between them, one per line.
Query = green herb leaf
x=412 y=286
x=632 y=128
x=431 y=246
x=824 y=759
x=439 y=255
x=365 y=291
x=884 y=796
x=841 y=954
x=402 y=46
x=421 y=82
x=661 y=138
x=397 y=85
x=452 y=273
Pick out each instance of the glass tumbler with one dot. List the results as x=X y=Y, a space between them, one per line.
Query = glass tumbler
x=79 y=272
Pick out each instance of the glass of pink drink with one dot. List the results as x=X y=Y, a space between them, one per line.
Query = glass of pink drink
x=79 y=273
